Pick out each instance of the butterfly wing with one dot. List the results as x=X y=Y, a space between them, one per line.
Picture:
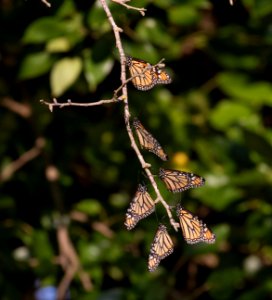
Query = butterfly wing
x=141 y=206
x=208 y=235
x=146 y=79
x=193 y=229
x=161 y=76
x=179 y=181
x=161 y=247
x=191 y=226
x=147 y=141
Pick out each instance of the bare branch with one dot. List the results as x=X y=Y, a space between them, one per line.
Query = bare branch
x=51 y=105
x=169 y=213
x=46 y=3
x=123 y=2
x=114 y=99
x=14 y=166
x=100 y=227
x=70 y=263
x=68 y=257
x=124 y=81
x=22 y=109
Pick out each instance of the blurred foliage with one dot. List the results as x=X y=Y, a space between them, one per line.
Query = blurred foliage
x=214 y=119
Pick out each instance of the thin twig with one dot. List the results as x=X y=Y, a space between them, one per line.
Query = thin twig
x=22 y=109
x=68 y=257
x=123 y=2
x=46 y=3
x=51 y=105
x=114 y=99
x=17 y=164
x=70 y=264
x=144 y=165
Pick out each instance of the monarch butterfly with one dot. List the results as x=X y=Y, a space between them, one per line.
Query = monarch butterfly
x=193 y=229
x=147 y=141
x=179 y=181
x=141 y=206
x=148 y=74
x=161 y=247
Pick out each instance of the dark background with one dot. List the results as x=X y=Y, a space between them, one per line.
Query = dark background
x=214 y=120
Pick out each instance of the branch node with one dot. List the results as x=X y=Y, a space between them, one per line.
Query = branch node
x=122 y=98
x=46 y=3
x=123 y=2
x=147 y=166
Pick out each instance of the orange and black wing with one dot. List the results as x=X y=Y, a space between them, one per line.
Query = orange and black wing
x=161 y=247
x=141 y=206
x=194 y=230
x=161 y=76
x=208 y=235
x=179 y=181
x=146 y=78
x=191 y=226
x=147 y=141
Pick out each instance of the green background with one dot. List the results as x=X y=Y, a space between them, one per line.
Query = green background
x=214 y=119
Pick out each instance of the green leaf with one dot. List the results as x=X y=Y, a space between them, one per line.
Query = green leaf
x=41 y=246
x=234 y=61
x=220 y=197
x=35 y=65
x=43 y=30
x=224 y=282
x=96 y=72
x=7 y=202
x=260 y=145
x=61 y=44
x=153 y=31
x=183 y=15
x=237 y=85
x=228 y=113
x=97 y=19
x=64 y=73
x=67 y=8
x=89 y=206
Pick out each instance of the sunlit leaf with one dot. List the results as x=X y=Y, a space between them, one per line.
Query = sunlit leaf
x=64 y=73
x=89 y=206
x=61 y=44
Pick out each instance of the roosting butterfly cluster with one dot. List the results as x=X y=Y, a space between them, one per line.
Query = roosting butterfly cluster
x=144 y=77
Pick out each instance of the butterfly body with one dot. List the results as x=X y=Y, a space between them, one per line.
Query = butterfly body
x=146 y=76
x=179 y=181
